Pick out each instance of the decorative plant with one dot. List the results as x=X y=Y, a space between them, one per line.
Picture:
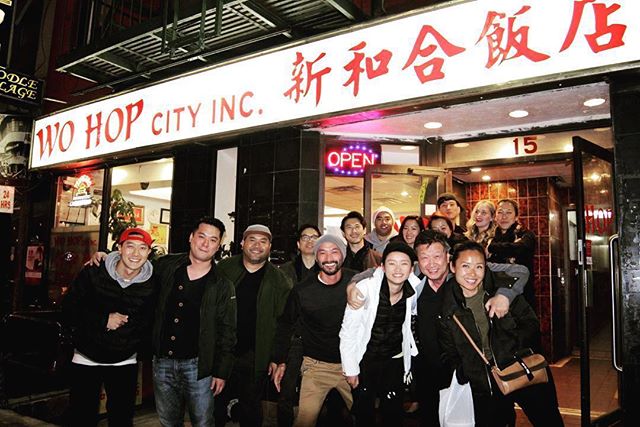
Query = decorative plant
x=121 y=216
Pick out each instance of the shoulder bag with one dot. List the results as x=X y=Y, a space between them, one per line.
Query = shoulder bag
x=526 y=370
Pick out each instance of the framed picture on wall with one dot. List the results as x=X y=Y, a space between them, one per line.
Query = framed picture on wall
x=165 y=216
x=159 y=233
x=138 y=214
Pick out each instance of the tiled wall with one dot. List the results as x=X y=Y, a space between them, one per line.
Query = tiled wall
x=536 y=199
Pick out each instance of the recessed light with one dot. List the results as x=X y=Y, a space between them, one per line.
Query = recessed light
x=461 y=144
x=594 y=102
x=486 y=178
x=518 y=114
x=404 y=194
x=601 y=129
x=476 y=169
x=408 y=147
x=433 y=125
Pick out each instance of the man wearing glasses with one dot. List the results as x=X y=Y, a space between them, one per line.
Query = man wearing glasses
x=304 y=263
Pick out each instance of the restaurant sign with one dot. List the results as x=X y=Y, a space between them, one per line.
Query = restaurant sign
x=20 y=87
x=461 y=47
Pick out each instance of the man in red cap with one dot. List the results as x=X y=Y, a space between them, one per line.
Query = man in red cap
x=110 y=309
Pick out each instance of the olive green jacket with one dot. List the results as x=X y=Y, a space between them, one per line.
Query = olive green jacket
x=272 y=297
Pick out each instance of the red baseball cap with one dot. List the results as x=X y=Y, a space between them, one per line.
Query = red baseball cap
x=136 y=234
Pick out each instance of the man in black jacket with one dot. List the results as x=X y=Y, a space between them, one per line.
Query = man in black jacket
x=110 y=309
x=194 y=332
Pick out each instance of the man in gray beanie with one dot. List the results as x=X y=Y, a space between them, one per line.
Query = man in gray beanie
x=317 y=306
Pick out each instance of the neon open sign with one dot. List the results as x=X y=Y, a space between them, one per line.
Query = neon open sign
x=351 y=159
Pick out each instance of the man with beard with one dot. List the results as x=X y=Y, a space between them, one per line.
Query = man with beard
x=316 y=306
x=261 y=294
x=383 y=221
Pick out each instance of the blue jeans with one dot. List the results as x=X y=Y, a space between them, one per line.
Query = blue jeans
x=175 y=383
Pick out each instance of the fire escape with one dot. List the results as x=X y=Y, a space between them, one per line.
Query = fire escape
x=123 y=43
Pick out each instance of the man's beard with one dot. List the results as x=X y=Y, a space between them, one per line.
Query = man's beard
x=330 y=273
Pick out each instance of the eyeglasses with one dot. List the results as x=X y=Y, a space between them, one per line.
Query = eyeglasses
x=309 y=237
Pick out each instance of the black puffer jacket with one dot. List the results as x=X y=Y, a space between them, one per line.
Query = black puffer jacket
x=516 y=331
x=92 y=296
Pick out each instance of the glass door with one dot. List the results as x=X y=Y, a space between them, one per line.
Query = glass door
x=599 y=377
x=405 y=189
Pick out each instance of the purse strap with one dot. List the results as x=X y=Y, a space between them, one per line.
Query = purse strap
x=466 y=334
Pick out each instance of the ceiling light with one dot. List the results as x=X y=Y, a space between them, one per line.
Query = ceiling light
x=568 y=148
x=518 y=114
x=476 y=169
x=461 y=144
x=433 y=125
x=594 y=177
x=594 y=102
x=408 y=147
x=404 y=194
x=486 y=178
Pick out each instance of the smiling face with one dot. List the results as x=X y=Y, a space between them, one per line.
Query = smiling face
x=410 y=231
x=439 y=224
x=469 y=271
x=433 y=261
x=506 y=215
x=329 y=258
x=256 y=248
x=353 y=231
x=450 y=209
x=482 y=215
x=133 y=254
x=397 y=268
x=383 y=224
x=204 y=242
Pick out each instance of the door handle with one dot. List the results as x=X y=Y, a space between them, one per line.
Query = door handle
x=614 y=301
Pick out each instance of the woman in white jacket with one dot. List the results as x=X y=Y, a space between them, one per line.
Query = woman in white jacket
x=376 y=343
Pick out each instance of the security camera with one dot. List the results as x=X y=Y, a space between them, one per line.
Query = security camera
x=144 y=185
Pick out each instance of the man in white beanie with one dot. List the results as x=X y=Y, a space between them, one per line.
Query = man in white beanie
x=316 y=306
x=383 y=220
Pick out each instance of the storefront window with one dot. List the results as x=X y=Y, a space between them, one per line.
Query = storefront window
x=76 y=228
x=344 y=192
x=141 y=197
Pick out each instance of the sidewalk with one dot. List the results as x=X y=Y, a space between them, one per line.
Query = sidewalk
x=11 y=419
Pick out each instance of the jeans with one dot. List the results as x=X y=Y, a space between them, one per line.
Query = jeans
x=175 y=383
x=120 y=386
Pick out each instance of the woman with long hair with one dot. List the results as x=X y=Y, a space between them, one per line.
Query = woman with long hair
x=481 y=226
x=410 y=227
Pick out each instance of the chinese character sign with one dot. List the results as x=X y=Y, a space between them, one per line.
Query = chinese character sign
x=456 y=49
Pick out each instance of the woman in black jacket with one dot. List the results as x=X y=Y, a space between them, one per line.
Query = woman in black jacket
x=499 y=338
x=513 y=243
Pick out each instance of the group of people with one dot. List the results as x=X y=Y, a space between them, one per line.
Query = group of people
x=352 y=323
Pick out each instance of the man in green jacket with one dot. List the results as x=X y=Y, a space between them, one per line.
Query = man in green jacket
x=261 y=291
x=194 y=331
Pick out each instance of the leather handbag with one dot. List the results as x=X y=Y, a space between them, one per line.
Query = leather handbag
x=526 y=370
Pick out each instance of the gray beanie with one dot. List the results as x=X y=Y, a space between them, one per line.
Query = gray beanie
x=331 y=238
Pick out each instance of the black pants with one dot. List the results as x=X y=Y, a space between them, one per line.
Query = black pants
x=288 y=386
x=120 y=386
x=425 y=378
x=247 y=388
x=383 y=379
x=539 y=403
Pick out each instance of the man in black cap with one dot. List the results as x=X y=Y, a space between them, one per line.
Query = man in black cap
x=316 y=306
x=376 y=342
x=449 y=206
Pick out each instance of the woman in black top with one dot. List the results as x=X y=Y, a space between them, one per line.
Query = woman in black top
x=499 y=338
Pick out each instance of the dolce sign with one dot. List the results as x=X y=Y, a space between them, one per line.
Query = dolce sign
x=463 y=47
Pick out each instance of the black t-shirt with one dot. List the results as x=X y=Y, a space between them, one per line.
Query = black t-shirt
x=247 y=299
x=319 y=308
x=182 y=319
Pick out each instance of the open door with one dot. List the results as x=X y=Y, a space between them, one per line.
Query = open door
x=598 y=294
x=405 y=189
